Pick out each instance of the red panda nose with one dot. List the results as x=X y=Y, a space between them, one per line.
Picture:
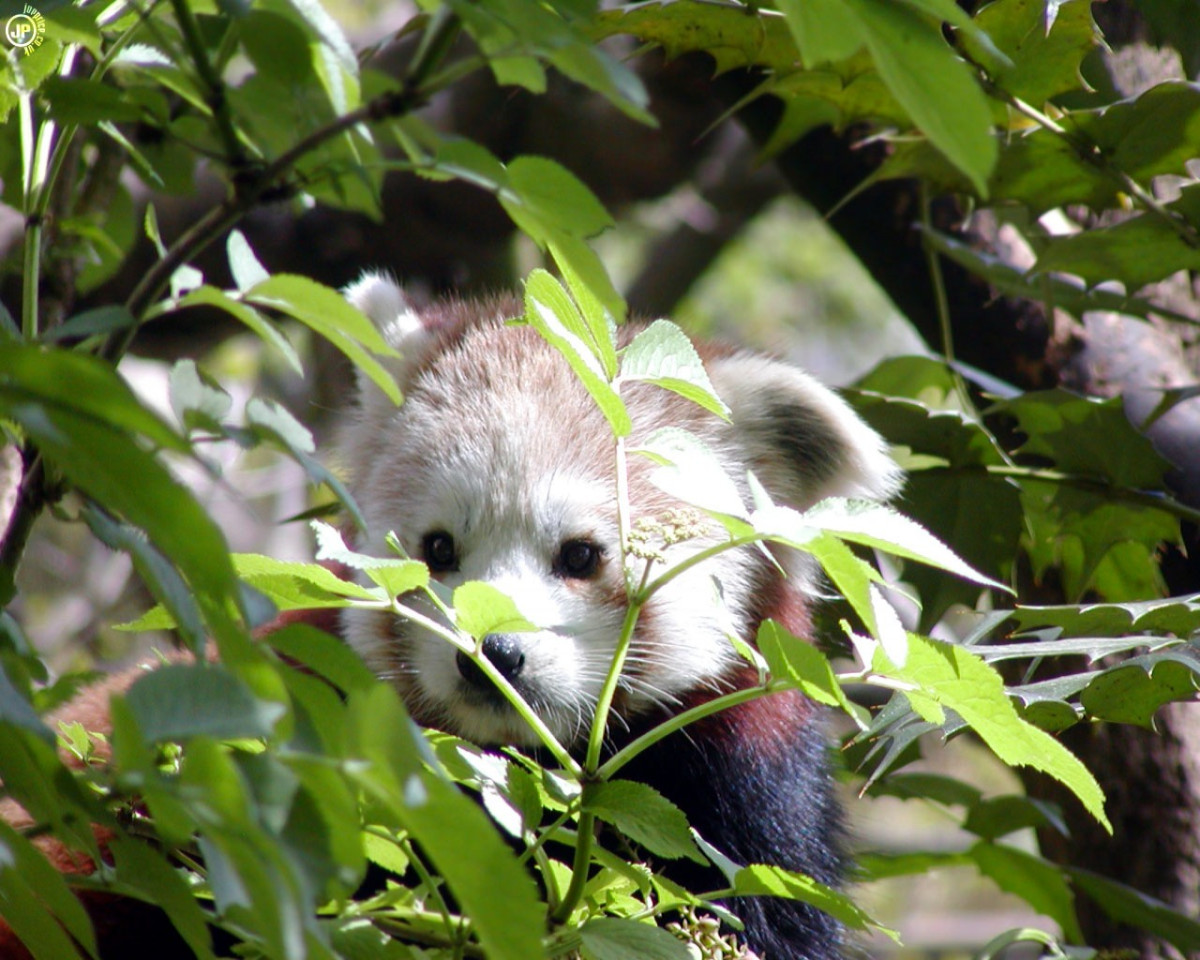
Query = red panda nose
x=505 y=653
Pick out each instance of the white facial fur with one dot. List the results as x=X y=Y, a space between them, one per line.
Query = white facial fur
x=499 y=446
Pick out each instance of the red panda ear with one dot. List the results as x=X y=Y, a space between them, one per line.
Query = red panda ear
x=389 y=309
x=801 y=439
x=363 y=436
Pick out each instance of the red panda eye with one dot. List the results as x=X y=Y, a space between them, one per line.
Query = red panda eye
x=439 y=551
x=578 y=559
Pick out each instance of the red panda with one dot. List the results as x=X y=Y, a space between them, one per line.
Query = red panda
x=499 y=467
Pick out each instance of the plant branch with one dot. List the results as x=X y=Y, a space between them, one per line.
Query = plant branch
x=37 y=168
x=269 y=179
x=218 y=103
x=608 y=691
x=584 y=838
x=640 y=744
x=1091 y=153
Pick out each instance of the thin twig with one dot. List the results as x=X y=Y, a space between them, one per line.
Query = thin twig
x=214 y=86
x=34 y=494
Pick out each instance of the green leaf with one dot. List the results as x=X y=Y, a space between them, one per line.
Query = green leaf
x=1134 y=693
x=1063 y=292
x=273 y=422
x=951 y=677
x=1172 y=615
x=254 y=882
x=267 y=331
x=465 y=160
x=292 y=585
x=1139 y=251
x=1044 y=63
x=594 y=296
x=802 y=663
x=1039 y=883
x=79 y=383
x=243 y=264
x=613 y=938
x=386 y=853
x=180 y=701
x=690 y=471
x=76 y=100
x=327 y=313
x=856 y=580
x=883 y=866
x=727 y=33
x=580 y=265
x=197 y=401
x=550 y=311
x=38 y=904
x=872 y=525
x=762 y=880
x=929 y=786
x=1172 y=23
x=396 y=576
x=113 y=469
x=163 y=580
x=509 y=793
x=89 y=323
x=594 y=67
x=1083 y=532
x=997 y=817
x=662 y=354
x=1155 y=133
x=936 y=88
x=825 y=30
x=75 y=25
x=549 y=199
x=15 y=709
x=1130 y=906
x=480 y=609
x=645 y=816
x=980 y=514
x=144 y=868
x=451 y=829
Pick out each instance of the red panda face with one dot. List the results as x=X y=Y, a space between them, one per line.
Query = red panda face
x=500 y=468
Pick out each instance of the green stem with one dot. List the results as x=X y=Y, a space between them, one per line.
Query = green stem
x=431 y=885
x=934 y=264
x=584 y=839
x=608 y=691
x=1091 y=153
x=638 y=745
x=999 y=944
x=223 y=216
x=467 y=646
x=624 y=523
x=214 y=86
x=683 y=566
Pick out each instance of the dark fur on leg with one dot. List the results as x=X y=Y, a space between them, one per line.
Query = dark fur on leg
x=755 y=782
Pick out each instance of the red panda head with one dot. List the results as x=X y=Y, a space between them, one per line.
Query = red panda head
x=500 y=467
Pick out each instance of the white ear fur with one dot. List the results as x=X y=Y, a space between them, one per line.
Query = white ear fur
x=378 y=296
x=381 y=299
x=803 y=441
x=384 y=302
